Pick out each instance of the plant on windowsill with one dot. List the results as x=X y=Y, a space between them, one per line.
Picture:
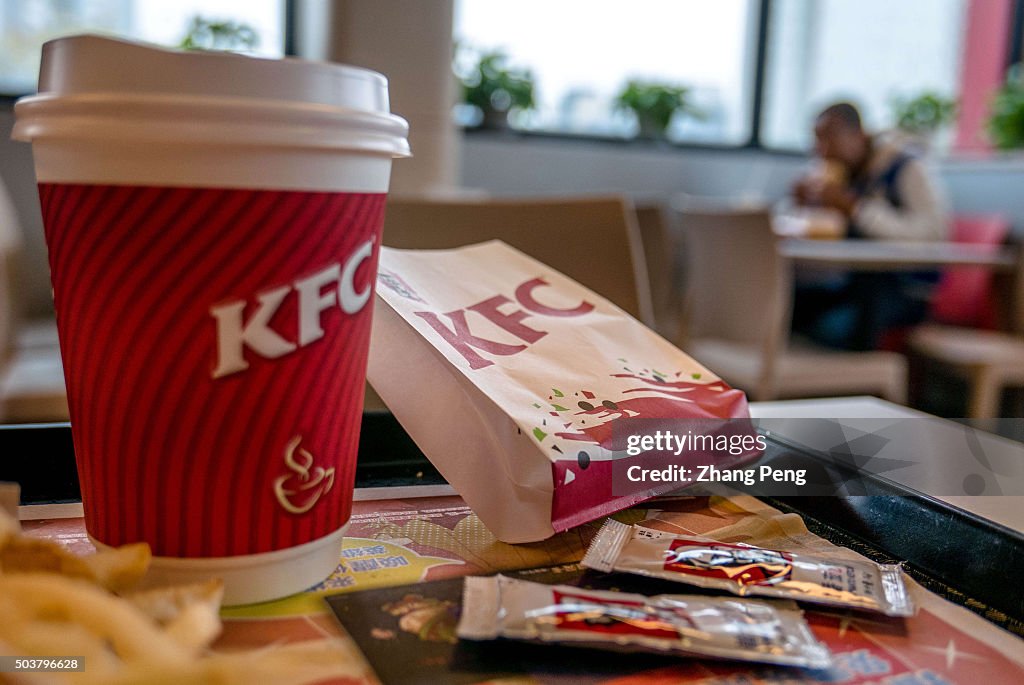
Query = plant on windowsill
x=654 y=105
x=924 y=116
x=206 y=34
x=1006 y=123
x=496 y=89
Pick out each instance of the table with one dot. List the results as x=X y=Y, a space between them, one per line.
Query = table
x=409 y=535
x=886 y=255
x=1006 y=262
x=798 y=421
x=941 y=447
x=416 y=539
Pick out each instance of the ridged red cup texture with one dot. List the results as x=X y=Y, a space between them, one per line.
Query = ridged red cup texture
x=168 y=452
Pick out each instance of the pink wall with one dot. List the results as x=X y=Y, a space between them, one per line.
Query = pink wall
x=986 y=43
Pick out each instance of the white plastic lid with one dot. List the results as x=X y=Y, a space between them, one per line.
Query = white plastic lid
x=91 y=73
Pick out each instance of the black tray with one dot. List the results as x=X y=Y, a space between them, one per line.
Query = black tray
x=965 y=558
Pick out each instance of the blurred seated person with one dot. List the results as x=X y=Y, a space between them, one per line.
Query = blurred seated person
x=881 y=191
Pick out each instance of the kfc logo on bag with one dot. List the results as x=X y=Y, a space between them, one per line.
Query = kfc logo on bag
x=234 y=333
x=461 y=338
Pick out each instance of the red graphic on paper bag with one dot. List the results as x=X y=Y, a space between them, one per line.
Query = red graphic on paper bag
x=656 y=398
x=583 y=485
x=741 y=564
x=158 y=289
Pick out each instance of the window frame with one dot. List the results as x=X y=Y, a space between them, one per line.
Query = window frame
x=754 y=141
x=290 y=49
x=1016 y=53
x=762 y=39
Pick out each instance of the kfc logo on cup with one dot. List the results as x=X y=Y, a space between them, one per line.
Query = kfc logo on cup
x=234 y=333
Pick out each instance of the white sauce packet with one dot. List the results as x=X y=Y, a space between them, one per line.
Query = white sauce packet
x=747 y=570
x=687 y=625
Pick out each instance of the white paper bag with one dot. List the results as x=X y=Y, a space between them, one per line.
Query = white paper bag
x=509 y=376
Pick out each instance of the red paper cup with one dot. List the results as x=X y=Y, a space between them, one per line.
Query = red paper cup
x=213 y=224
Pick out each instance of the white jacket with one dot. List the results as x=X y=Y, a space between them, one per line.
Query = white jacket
x=923 y=214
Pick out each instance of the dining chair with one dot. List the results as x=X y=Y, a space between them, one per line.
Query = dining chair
x=31 y=373
x=964 y=295
x=663 y=267
x=593 y=240
x=738 y=307
x=10 y=243
x=989 y=360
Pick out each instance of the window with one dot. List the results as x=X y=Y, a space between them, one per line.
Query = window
x=25 y=26
x=582 y=52
x=871 y=52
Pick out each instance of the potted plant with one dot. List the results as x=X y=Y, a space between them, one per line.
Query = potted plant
x=206 y=34
x=654 y=105
x=1006 y=123
x=923 y=116
x=496 y=89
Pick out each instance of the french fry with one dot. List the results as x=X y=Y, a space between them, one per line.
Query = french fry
x=55 y=603
x=9 y=526
x=289 y=664
x=164 y=604
x=28 y=555
x=131 y=634
x=21 y=678
x=119 y=568
x=115 y=569
x=190 y=614
x=60 y=638
x=10 y=495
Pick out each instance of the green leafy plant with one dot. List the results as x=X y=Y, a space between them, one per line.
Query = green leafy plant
x=206 y=34
x=655 y=104
x=1006 y=123
x=924 y=113
x=495 y=88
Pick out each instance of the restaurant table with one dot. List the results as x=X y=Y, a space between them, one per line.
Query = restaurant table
x=941 y=446
x=889 y=255
x=408 y=528
x=1006 y=262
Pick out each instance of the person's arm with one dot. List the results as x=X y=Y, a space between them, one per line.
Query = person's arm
x=923 y=216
